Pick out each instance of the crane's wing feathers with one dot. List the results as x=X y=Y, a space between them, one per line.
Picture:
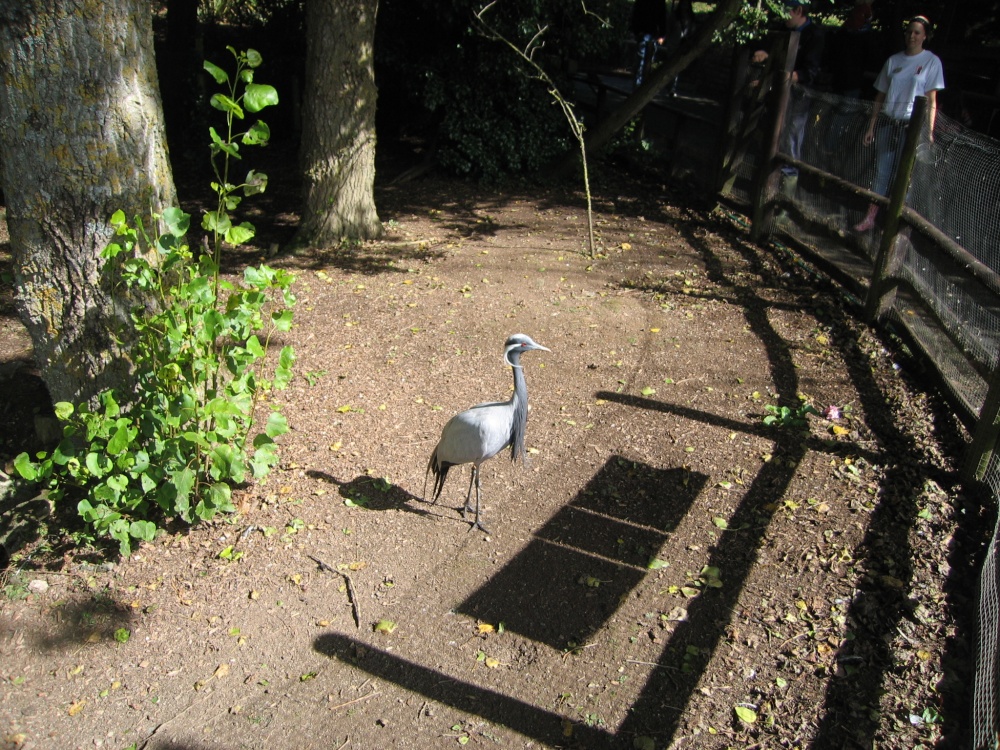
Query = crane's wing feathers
x=476 y=434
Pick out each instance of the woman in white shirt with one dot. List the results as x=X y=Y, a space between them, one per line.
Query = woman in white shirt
x=905 y=76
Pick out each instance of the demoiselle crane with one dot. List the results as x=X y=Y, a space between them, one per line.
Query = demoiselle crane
x=477 y=434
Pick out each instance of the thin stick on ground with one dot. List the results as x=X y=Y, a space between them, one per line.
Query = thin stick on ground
x=355 y=700
x=350 y=588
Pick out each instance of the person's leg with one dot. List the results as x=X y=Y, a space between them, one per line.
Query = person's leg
x=647 y=45
x=888 y=143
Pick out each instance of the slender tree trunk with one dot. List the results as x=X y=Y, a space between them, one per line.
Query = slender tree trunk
x=338 y=133
x=81 y=136
x=725 y=13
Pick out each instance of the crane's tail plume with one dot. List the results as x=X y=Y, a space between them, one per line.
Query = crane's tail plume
x=440 y=472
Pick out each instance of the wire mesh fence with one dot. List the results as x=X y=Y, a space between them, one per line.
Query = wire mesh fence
x=946 y=270
x=985 y=699
x=955 y=187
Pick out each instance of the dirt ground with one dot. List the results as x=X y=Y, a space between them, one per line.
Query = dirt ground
x=668 y=571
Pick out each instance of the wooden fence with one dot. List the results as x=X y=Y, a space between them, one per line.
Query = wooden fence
x=753 y=124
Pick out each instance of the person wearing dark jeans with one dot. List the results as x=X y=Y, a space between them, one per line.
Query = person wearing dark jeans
x=905 y=76
x=807 y=70
x=808 y=65
x=649 y=27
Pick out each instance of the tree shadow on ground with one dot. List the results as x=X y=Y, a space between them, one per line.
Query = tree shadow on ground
x=388 y=255
x=875 y=614
x=91 y=620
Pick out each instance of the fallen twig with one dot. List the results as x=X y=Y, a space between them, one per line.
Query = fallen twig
x=322 y=565
x=350 y=588
x=356 y=700
x=354 y=600
x=652 y=664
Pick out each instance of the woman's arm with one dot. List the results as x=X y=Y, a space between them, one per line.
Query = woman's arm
x=869 y=136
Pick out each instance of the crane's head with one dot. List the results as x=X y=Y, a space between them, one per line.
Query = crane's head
x=516 y=345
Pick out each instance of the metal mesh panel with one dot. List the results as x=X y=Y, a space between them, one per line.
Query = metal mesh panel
x=985 y=724
x=958 y=374
x=955 y=186
x=967 y=311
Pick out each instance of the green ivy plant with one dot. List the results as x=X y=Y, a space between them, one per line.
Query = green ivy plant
x=785 y=416
x=186 y=432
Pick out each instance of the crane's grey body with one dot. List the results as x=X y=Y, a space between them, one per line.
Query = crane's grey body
x=477 y=434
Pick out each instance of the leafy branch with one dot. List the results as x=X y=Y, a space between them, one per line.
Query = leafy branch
x=576 y=126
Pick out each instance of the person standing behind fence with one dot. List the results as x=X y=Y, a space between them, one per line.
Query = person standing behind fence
x=905 y=76
x=807 y=70
x=808 y=66
x=860 y=17
x=649 y=26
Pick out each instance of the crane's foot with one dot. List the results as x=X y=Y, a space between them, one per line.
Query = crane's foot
x=477 y=525
x=474 y=524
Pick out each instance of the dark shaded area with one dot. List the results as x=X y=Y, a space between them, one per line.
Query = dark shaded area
x=850 y=715
x=594 y=552
x=91 y=620
x=373 y=493
x=522 y=717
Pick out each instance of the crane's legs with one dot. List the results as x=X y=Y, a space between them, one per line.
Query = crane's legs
x=468 y=506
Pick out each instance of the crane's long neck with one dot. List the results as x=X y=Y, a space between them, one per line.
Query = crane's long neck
x=519 y=410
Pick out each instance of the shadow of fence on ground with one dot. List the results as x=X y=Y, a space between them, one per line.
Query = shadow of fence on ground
x=606 y=536
x=621 y=519
x=525 y=718
x=848 y=717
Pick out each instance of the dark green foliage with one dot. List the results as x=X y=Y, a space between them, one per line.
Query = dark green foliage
x=176 y=442
x=484 y=114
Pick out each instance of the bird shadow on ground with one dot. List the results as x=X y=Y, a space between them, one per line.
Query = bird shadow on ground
x=372 y=493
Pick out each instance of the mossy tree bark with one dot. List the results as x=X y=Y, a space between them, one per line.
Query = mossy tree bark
x=81 y=136
x=338 y=138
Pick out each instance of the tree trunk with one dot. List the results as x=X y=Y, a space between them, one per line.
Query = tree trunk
x=725 y=13
x=338 y=131
x=80 y=136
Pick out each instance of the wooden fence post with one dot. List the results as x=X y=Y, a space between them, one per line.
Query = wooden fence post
x=986 y=433
x=882 y=291
x=728 y=134
x=766 y=182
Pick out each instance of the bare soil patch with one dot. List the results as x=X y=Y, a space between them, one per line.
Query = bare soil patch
x=666 y=561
